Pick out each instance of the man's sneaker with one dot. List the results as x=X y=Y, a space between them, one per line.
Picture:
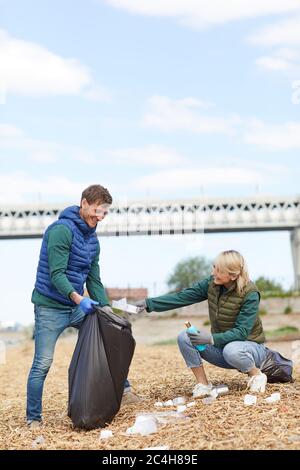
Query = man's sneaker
x=34 y=424
x=257 y=383
x=130 y=398
x=201 y=390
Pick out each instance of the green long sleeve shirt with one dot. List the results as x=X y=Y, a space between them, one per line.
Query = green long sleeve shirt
x=58 y=246
x=198 y=293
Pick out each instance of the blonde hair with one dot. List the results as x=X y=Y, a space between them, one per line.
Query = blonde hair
x=233 y=263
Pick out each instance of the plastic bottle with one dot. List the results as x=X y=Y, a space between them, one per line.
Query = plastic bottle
x=193 y=329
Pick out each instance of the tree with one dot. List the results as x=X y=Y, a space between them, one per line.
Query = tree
x=189 y=271
x=269 y=286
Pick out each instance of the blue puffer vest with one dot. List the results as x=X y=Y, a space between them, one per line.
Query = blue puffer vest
x=82 y=253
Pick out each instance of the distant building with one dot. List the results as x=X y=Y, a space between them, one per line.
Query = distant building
x=132 y=294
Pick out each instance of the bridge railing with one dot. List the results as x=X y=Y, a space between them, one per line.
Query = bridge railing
x=165 y=217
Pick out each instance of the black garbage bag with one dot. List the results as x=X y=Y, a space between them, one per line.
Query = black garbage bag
x=277 y=368
x=99 y=368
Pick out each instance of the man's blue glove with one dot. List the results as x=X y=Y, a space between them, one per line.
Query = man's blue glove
x=200 y=338
x=87 y=305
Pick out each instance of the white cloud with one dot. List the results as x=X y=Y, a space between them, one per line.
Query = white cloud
x=150 y=155
x=43 y=157
x=288 y=53
x=285 y=32
x=273 y=63
x=171 y=115
x=97 y=93
x=8 y=131
x=20 y=187
x=285 y=136
x=27 y=68
x=284 y=59
x=189 y=178
x=41 y=151
x=295 y=98
x=276 y=170
x=285 y=35
x=176 y=115
x=200 y=13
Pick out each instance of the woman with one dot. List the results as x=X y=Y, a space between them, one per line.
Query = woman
x=237 y=336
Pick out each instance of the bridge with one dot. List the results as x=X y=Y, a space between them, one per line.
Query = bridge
x=197 y=215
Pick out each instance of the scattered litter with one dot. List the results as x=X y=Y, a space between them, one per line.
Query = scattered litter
x=181 y=408
x=123 y=305
x=157 y=448
x=169 y=403
x=163 y=417
x=2 y=352
x=144 y=425
x=250 y=400
x=209 y=400
x=273 y=398
x=214 y=393
x=179 y=401
x=39 y=441
x=192 y=403
x=296 y=352
x=158 y=404
x=295 y=438
x=105 y=434
x=222 y=390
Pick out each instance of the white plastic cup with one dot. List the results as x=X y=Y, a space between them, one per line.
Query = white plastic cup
x=179 y=401
x=145 y=424
x=192 y=403
x=105 y=434
x=214 y=393
x=222 y=390
x=273 y=398
x=168 y=403
x=250 y=400
x=181 y=408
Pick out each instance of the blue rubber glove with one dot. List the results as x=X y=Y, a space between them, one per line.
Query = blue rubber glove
x=199 y=337
x=141 y=305
x=87 y=305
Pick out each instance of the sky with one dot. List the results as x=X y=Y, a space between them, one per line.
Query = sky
x=152 y=99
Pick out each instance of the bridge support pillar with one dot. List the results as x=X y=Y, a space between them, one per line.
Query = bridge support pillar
x=295 y=242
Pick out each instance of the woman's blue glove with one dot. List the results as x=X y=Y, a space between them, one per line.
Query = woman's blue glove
x=200 y=338
x=87 y=305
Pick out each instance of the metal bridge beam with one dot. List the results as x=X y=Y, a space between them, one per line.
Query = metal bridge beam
x=295 y=244
x=172 y=217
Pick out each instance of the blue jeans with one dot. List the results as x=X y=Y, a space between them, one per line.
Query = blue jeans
x=49 y=324
x=240 y=355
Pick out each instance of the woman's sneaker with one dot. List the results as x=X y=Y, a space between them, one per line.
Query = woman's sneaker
x=257 y=383
x=201 y=390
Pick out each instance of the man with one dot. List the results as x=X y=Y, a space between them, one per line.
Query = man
x=69 y=259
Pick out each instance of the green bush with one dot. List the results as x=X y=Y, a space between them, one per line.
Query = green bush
x=262 y=312
x=173 y=315
x=166 y=342
x=283 y=331
x=189 y=271
x=288 y=310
